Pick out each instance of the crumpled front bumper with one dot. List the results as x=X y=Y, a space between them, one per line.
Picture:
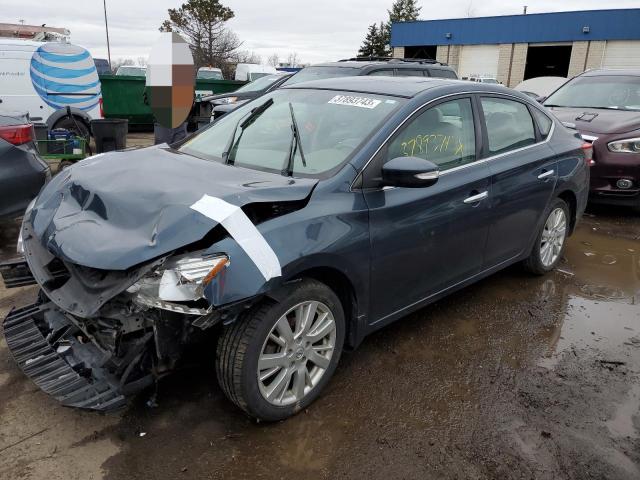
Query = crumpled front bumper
x=59 y=358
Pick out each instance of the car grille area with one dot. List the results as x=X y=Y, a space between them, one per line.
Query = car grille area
x=49 y=349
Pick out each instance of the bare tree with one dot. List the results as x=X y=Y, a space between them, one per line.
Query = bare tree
x=470 y=10
x=203 y=23
x=273 y=60
x=244 y=56
x=293 y=60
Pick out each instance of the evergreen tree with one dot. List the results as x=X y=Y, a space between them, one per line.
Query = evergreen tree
x=401 y=11
x=370 y=41
x=382 y=48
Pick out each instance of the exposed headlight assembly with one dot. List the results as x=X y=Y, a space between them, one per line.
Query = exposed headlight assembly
x=632 y=145
x=179 y=282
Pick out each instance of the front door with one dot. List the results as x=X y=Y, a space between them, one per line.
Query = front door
x=424 y=240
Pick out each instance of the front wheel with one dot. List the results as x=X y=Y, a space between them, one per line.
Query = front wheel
x=549 y=246
x=275 y=360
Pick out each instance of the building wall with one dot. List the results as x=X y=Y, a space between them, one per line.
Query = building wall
x=449 y=54
x=596 y=54
x=398 y=52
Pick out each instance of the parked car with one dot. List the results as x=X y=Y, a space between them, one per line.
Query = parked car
x=102 y=66
x=376 y=66
x=248 y=72
x=22 y=171
x=255 y=89
x=210 y=73
x=481 y=79
x=42 y=79
x=540 y=88
x=131 y=71
x=604 y=105
x=292 y=228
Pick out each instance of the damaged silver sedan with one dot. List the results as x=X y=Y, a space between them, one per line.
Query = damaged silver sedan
x=282 y=234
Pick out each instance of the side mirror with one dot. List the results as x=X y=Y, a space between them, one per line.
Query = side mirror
x=409 y=172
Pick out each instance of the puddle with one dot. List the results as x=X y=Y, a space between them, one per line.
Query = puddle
x=622 y=424
x=602 y=300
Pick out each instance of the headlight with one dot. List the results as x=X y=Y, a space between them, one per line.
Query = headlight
x=180 y=279
x=631 y=145
x=228 y=100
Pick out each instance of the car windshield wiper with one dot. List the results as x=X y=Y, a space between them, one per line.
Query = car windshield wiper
x=229 y=152
x=296 y=145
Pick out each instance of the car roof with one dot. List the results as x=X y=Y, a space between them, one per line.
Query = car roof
x=612 y=71
x=391 y=63
x=406 y=87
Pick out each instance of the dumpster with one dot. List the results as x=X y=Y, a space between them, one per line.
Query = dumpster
x=122 y=96
x=110 y=134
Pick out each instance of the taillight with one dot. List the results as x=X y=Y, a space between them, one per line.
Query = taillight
x=17 y=134
x=587 y=150
x=101 y=107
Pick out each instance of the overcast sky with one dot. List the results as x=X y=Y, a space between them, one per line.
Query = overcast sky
x=320 y=30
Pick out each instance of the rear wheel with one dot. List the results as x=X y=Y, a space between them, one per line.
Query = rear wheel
x=275 y=360
x=549 y=246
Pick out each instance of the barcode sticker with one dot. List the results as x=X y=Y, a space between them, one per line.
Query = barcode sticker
x=352 y=101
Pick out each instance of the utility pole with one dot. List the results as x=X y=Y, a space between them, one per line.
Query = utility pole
x=106 y=26
x=525 y=10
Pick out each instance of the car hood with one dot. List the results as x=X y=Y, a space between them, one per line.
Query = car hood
x=596 y=120
x=120 y=209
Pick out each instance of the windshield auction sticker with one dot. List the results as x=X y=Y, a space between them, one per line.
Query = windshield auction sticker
x=362 y=102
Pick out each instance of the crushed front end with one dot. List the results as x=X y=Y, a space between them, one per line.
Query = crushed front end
x=95 y=336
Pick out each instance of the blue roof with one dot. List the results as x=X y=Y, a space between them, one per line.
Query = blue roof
x=620 y=24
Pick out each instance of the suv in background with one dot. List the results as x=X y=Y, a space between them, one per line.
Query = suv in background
x=604 y=106
x=390 y=67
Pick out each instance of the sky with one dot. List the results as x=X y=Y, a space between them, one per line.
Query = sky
x=318 y=31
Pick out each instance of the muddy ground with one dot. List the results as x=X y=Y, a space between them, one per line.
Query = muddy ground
x=515 y=377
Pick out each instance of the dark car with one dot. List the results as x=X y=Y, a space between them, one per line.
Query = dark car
x=290 y=229
x=375 y=66
x=604 y=105
x=22 y=171
x=251 y=90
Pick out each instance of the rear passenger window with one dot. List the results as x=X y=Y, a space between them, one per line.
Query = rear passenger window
x=382 y=73
x=509 y=125
x=443 y=134
x=544 y=122
x=438 y=73
x=405 y=72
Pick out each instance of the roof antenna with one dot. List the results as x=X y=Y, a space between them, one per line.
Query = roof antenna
x=525 y=10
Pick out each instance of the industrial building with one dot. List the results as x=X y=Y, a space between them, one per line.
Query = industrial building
x=513 y=48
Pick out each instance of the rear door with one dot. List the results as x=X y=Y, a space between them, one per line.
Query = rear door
x=523 y=176
x=425 y=240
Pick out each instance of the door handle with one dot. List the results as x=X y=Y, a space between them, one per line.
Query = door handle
x=546 y=174
x=476 y=198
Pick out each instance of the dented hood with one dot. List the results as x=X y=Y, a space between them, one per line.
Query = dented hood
x=598 y=120
x=117 y=210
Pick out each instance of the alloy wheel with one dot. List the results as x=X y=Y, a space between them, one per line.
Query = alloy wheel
x=296 y=353
x=553 y=237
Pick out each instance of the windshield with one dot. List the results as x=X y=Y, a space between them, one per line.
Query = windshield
x=259 y=84
x=332 y=125
x=318 y=73
x=209 y=75
x=616 y=92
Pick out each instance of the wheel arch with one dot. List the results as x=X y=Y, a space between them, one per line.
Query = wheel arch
x=571 y=200
x=76 y=112
x=342 y=286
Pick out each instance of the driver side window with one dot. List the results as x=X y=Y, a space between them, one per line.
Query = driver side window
x=443 y=134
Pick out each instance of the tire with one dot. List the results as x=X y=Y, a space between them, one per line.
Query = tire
x=244 y=343
x=537 y=263
x=81 y=130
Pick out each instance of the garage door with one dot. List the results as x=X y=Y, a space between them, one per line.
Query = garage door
x=622 y=54
x=479 y=60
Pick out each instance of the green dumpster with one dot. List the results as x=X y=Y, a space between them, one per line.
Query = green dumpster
x=122 y=96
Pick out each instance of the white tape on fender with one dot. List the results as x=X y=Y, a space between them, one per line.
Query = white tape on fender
x=234 y=220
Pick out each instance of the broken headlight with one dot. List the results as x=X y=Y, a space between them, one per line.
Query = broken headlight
x=178 y=285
